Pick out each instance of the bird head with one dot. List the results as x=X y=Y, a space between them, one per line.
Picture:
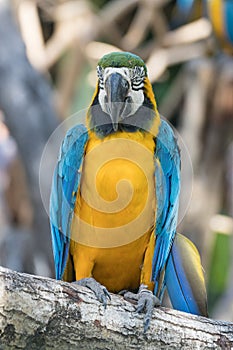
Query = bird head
x=122 y=90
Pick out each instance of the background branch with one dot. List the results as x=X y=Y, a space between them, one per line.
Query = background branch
x=26 y=100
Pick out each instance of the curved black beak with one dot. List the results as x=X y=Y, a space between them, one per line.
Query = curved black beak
x=116 y=89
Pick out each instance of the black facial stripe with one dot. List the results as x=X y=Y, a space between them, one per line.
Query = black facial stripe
x=137 y=88
x=137 y=83
x=137 y=79
x=134 y=87
x=101 y=84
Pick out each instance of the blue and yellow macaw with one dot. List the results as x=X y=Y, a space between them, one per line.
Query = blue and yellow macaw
x=115 y=196
x=220 y=13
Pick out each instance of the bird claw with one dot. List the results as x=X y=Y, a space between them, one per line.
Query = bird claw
x=129 y=296
x=98 y=289
x=145 y=301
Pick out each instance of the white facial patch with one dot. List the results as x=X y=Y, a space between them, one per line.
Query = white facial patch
x=135 y=97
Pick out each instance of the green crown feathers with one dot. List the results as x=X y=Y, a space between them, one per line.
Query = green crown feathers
x=121 y=59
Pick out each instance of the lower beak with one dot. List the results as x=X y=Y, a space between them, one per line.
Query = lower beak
x=117 y=89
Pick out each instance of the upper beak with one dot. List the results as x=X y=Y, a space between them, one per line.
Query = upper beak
x=116 y=89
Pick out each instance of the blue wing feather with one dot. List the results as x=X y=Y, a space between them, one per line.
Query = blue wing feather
x=184 y=278
x=167 y=179
x=177 y=284
x=66 y=180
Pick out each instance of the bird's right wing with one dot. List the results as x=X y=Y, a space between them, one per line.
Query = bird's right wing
x=66 y=180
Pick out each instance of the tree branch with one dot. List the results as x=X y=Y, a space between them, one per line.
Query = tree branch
x=41 y=313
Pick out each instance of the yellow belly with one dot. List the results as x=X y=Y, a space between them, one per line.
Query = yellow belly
x=115 y=210
x=116 y=268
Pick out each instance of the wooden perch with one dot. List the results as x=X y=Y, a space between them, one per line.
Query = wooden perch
x=41 y=313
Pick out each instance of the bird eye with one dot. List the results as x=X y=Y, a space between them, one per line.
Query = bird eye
x=137 y=78
x=139 y=72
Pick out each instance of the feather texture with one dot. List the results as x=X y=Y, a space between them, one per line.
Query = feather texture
x=220 y=13
x=184 y=278
x=124 y=255
x=65 y=185
x=167 y=179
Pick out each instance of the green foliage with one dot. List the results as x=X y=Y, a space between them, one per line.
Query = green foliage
x=161 y=88
x=219 y=268
x=83 y=92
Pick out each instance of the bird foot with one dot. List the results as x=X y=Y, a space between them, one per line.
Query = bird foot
x=129 y=296
x=99 y=290
x=145 y=301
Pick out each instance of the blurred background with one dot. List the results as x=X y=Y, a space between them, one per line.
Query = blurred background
x=48 y=54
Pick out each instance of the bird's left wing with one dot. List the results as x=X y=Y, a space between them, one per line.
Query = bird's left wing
x=167 y=186
x=66 y=180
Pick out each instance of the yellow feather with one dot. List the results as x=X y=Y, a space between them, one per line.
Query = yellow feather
x=115 y=209
x=190 y=254
x=216 y=12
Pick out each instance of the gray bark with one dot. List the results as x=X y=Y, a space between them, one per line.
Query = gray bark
x=41 y=313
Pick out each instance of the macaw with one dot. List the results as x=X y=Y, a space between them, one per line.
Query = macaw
x=220 y=13
x=115 y=196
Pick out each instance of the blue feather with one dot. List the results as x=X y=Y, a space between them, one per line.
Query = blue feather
x=167 y=179
x=177 y=285
x=228 y=18
x=185 y=6
x=66 y=180
x=184 y=278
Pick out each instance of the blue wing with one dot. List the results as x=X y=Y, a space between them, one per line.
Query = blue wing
x=65 y=185
x=167 y=179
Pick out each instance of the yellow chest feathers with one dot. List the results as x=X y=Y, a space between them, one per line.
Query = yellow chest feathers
x=116 y=201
